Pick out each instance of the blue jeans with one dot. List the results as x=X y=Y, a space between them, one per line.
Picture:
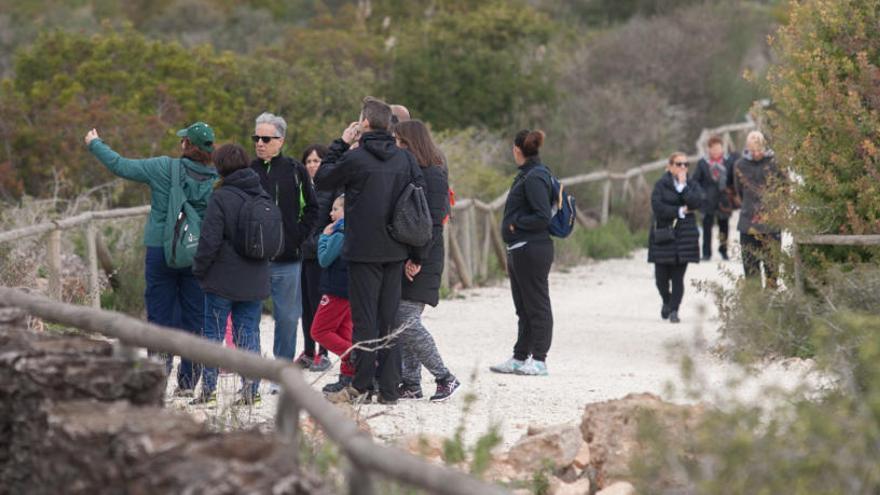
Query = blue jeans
x=286 y=306
x=174 y=299
x=245 y=333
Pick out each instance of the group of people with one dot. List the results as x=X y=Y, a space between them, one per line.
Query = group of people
x=721 y=183
x=359 y=292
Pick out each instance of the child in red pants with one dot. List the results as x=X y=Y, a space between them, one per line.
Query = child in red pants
x=332 y=324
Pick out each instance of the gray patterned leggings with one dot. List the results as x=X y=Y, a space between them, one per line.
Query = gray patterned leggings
x=417 y=346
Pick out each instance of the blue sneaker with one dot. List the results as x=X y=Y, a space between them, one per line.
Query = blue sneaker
x=509 y=366
x=533 y=368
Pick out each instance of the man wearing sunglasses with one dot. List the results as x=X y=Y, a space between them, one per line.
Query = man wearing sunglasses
x=287 y=182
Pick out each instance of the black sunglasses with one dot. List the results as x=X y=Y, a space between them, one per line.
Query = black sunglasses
x=264 y=139
x=681 y=164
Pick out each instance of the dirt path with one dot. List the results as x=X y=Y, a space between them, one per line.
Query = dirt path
x=608 y=341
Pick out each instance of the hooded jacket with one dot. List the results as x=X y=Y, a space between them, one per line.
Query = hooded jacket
x=665 y=204
x=425 y=286
x=334 y=269
x=217 y=265
x=529 y=204
x=751 y=179
x=287 y=183
x=156 y=172
x=373 y=177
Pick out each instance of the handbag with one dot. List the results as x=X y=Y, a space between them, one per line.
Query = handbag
x=664 y=235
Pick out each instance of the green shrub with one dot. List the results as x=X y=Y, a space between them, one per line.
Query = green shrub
x=612 y=240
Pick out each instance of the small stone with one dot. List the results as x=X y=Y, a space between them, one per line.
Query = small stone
x=582 y=459
x=618 y=488
x=579 y=487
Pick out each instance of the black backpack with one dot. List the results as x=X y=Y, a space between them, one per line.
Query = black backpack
x=259 y=229
x=411 y=223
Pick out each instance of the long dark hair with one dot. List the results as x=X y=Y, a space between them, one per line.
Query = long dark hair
x=320 y=149
x=414 y=134
x=195 y=153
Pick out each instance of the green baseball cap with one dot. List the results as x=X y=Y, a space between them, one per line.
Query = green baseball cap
x=199 y=134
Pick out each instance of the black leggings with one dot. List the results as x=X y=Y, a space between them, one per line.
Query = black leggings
x=311 y=296
x=529 y=269
x=674 y=274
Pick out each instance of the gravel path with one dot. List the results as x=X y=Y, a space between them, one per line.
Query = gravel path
x=608 y=341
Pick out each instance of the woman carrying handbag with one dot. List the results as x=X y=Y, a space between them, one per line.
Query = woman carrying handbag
x=675 y=240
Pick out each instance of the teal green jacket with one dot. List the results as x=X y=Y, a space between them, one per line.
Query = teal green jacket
x=156 y=172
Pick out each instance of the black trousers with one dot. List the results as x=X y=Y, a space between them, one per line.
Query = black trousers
x=311 y=297
x=374 y=295
x=529 y=269
x=723 y=231
x=757 y=250
x=666 y=275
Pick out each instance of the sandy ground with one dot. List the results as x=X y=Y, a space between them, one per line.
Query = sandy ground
x=608 y=341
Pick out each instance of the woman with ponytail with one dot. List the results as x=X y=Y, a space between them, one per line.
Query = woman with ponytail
x=524 y=229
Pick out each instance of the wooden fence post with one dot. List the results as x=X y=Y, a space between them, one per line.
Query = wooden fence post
x=497 y=243
x=287 y=421
x=92 y=255
x=487 y=245
x=606 y=200
x=54 y=259
x=359 y=480
x=464 y=273
x=465 y=239
x=444 y=275
x=798 y=270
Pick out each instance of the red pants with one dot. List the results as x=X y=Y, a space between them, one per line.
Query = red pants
x=332 y=329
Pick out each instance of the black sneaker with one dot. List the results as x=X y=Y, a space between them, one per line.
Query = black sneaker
x=409 y=391
x=664 y=311
x=380 y=399
x=673 y=317
x=445 y=389
x=707 y=257
x=724 y=255
x=303 y=361
x=340 y=384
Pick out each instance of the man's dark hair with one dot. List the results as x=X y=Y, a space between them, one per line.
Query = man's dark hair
x=320 y=149
x=229 y=158
x=377 y=113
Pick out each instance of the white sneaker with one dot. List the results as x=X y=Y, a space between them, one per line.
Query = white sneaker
x=509 y=366
x=533 y=368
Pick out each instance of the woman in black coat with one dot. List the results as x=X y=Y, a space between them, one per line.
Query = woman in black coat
x=421 y=279
x=525 y=230
x=674 y=240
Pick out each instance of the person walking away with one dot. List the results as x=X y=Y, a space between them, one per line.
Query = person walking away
x=422 y=271
x=524 y=228
x=714 y=174
x=332 y=325
x=167 y=287
x=755 y=174
x=232 y=283
x=311 y=270
x=674 y=239
x=373 y=176
x=288 y=184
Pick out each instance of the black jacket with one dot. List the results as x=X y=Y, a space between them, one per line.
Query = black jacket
x=285 y=179
x=309 y=245
x=715 y=190
x=425 y=287
x=665 y=203
x=528 y=205
x=218 y=267
x=373 y=176
x=751 y=179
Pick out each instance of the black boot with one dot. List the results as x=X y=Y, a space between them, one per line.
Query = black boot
x=343 y=382
x=673 y=317
x=664 y=311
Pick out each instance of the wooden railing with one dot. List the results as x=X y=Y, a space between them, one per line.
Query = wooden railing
x=824 y=240
x=367 y=458
x=471 y=240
